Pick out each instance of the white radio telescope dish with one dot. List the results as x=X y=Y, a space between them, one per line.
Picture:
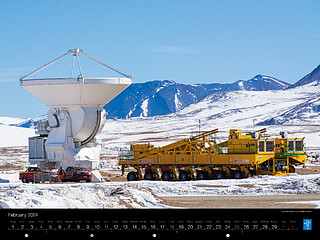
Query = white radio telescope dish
x=76 y=116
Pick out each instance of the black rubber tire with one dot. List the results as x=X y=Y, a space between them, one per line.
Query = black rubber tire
x=219 y=175
x=166 y=176
x=132 y=176
x=201 y=175
x=24 y=179
x=148 y=176
x=183 y=176
x=237 y=175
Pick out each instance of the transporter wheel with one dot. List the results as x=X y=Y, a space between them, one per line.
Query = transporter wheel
x=237 y=175
x=183 y=176
x=148 y=176
x=201 y=175
x=132 y=176
x=252 y=172
x=166 y=176
x=218 y=175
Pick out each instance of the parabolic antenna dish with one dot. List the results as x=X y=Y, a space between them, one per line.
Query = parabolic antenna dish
x=84 y=92
x=80 y=91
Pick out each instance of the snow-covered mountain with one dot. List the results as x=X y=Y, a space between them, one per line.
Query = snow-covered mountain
x=307 y=111
x=313 y=77
x=157 y=98
x=225 y=110
x=309 y=108
x=30 y=122
x=164 y=97
x=259 y=83
x=295 y=110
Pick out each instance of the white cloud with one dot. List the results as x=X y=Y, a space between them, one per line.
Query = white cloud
x=12 y=74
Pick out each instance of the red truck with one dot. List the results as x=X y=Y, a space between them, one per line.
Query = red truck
x=76 y=174
x=38 y=174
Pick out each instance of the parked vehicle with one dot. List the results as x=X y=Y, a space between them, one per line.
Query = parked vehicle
x=38 y=174
x=76 y=174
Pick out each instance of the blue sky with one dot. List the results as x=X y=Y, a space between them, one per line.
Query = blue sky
x=189 y=41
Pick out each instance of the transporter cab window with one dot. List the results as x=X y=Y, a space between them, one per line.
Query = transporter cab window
x=291 y=146
x=269 y=146
x=299 y=146
x=261 y=146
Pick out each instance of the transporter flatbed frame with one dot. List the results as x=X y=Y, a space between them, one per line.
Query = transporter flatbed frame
x=205 y=156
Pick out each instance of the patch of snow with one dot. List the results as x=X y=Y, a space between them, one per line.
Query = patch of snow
x=144 y=194
x=260 y=185
x=317 y=203
x=89 y=195
x=275 y=80
x=14 y=136
x=178 y=104
x=168 y=83
x=240 y=83
x=144 y=107
x=131 y=111
x=158 y=89
x=11 y=120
